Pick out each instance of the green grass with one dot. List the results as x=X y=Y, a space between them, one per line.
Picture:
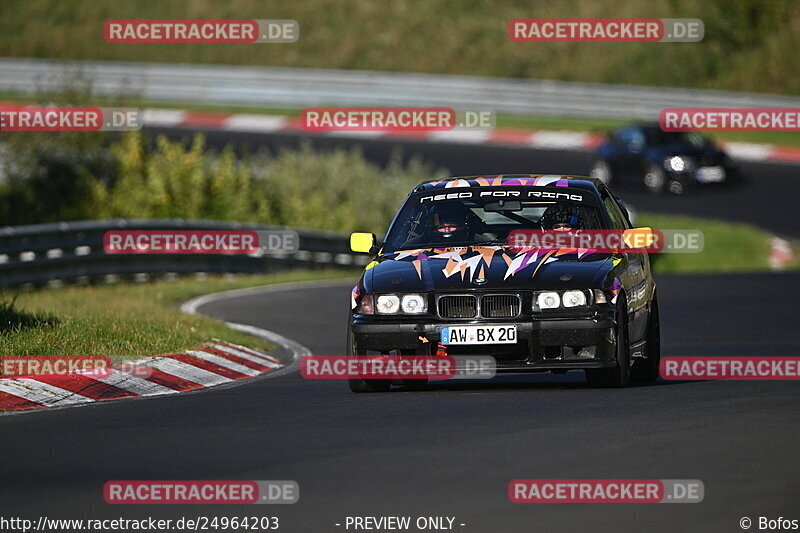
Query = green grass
x=130 y=320
x=749 y=45
x=728 y=247
x=12 y=320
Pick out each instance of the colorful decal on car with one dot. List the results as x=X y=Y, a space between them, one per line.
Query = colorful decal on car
x=496 y=181
x=616 y=285
x=354 y=297
x=469 y=261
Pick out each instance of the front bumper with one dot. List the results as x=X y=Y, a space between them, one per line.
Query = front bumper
x=553 y=343
x=695 y=177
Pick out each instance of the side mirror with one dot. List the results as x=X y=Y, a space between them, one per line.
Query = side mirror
x=639 y=237
x=363 y=243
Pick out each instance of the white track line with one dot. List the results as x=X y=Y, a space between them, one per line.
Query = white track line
x=255 y=123
x=560 y=139
x=130 y=383
x=39 y=392
x=190 y=372
x=226 y=363
x=163 y=117
x=460 y=136
x=258 y=359
x=748 y=151
x=297 y=350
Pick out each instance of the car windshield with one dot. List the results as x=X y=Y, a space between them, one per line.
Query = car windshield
x=482 y=221
x=655 y=136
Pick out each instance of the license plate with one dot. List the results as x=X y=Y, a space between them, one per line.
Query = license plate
x=710 y=174
x=479 y=335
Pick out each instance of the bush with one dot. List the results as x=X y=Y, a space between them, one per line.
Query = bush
x=134 y=178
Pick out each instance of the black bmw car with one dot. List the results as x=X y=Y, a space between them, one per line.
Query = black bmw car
x=673 y=162
x=446 y=280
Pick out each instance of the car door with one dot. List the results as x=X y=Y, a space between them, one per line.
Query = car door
x=635 y=275
x=632 y=156
x=628 y=150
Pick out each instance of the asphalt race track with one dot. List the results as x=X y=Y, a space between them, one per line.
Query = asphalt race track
x=452 y=449
x=767 y=198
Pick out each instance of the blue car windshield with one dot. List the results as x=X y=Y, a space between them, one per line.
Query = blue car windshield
x=657 y=137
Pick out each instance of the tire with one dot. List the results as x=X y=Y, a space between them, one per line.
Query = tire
x=619 y=375
x=602 y=171
x=364 y=385
x=655 y=179
x=646 y=370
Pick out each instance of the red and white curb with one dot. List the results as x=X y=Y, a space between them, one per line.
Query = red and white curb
x=780 y=253
x=520 y=138
x=207 y=366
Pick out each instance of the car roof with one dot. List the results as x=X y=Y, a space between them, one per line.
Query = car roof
x=513 y=180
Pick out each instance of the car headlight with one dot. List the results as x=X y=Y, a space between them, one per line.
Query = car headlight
x=548 y=300
x=574 y=298
x=413 y=304
x=388 y=304
x=393 y=304
x=677 y=163
x=567 y=299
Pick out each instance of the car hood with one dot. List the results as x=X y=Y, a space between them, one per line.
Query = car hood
x=498 y=267
x=668 y=150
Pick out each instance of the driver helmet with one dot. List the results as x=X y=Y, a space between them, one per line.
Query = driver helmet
x=449 y=221
x=561 y=217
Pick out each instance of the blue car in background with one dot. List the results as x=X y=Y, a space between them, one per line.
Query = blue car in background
x=672 y=162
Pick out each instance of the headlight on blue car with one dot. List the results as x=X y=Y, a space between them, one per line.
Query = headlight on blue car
x=678 y=163
x=395 y=304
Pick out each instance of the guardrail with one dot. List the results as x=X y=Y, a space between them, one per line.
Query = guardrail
x=295 y=87
x=53 y=254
